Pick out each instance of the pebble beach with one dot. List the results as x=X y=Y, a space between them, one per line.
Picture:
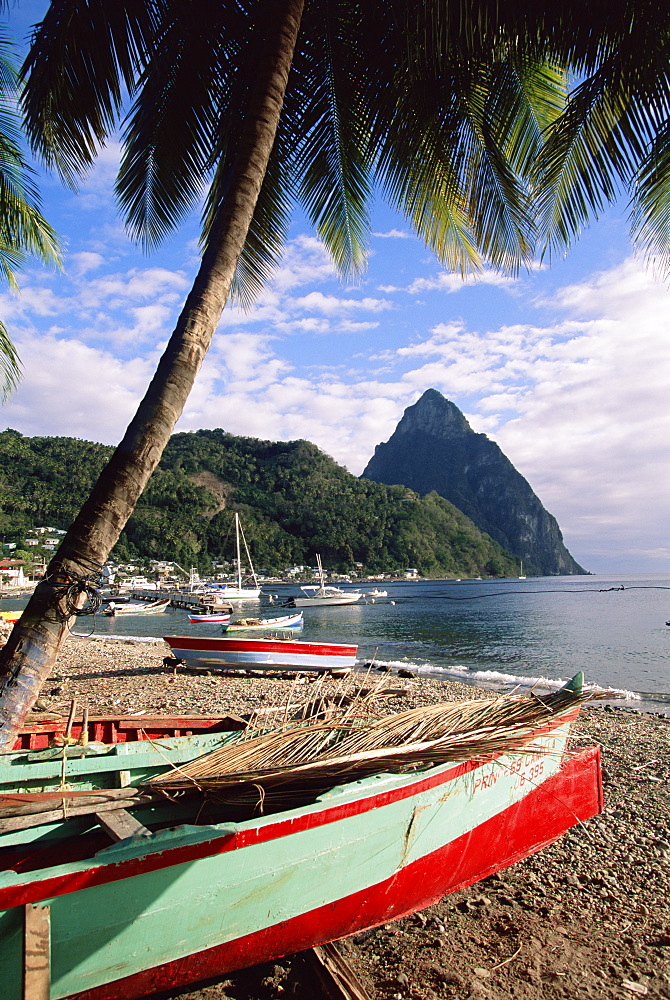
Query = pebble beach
x=589 y=916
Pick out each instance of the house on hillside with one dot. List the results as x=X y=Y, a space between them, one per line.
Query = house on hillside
x=11 y=573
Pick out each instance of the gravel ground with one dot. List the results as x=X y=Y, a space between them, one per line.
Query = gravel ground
x=587 y=917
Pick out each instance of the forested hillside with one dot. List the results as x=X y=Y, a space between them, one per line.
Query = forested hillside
x=294 y=501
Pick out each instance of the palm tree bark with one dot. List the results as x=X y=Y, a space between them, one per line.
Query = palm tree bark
x=27 y=659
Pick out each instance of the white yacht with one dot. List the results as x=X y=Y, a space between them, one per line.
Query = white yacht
x=236 y=592
x=318 y=595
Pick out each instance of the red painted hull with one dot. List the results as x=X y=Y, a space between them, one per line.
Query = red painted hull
x=572 y=795
x=244 y=652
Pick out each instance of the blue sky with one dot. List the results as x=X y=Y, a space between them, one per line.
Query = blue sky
x=567 y=368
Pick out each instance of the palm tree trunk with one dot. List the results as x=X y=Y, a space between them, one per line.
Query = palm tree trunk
x=27 y=659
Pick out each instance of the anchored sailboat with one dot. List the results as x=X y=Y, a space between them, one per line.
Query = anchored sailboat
x=317 y=596
x=240 y=593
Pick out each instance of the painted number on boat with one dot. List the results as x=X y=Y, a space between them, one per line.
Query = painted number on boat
x=524 y=769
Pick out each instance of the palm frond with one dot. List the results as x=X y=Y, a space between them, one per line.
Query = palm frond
x=10 y=363
x=331 y=163
x=595 y=149
x=650 y=216
x=443 y=164
x=84 y=58
x=24 y=232
x=174 y=126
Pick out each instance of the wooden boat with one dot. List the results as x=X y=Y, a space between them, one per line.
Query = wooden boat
x=10 y=617
x=286 y=621
x=214 y=616
x=153 y=608
x=114 y=903
x=266 y=652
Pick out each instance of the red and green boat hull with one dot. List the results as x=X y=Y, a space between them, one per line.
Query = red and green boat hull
x=193 y=902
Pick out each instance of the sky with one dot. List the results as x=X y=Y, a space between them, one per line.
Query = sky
x=567 y=368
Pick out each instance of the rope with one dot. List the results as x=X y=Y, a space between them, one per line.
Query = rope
x=526 y=592
x=67 y=594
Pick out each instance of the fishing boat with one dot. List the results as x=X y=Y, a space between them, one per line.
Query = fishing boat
x=321 y=594
x=376 y=593
x=277 y=651
x=10 y=617
x=112 y=891
x=267 y=624
x=237 y=592
x=196 y=617
x=153 y=608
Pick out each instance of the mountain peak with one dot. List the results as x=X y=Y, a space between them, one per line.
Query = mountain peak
x=434 y=449
x=434 y=414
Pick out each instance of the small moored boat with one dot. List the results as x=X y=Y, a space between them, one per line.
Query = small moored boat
x=153 y=608
x=237 y=591
x=215 y=616
x=324 y=595
x=286 y=621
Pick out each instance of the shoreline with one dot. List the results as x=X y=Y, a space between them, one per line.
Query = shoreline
x=587 y=917
x=635 y=703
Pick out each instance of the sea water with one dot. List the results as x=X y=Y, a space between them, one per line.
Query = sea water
x=501 y=634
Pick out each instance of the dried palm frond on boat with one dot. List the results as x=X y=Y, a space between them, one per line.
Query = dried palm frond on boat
x=295 y=762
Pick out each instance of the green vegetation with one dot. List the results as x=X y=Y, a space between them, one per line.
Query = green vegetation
x=294 y=500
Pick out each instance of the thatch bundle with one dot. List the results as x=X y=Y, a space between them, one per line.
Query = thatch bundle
x=298 y=761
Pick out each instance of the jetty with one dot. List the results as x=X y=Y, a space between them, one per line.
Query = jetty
x=189 y=601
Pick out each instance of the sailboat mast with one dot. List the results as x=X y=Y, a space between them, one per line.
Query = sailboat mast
x=320 y=569
x=239 y=557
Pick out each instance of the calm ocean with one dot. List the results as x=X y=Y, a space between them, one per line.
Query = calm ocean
x=497 y=634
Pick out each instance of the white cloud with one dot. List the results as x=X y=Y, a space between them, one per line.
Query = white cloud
x=75 y=390
x=580 y=407
x=304 y=261
x=394 y=234
x=136 y=285
x=85 y=261
x=350 y=327
x=449 y=282
x=333 y=305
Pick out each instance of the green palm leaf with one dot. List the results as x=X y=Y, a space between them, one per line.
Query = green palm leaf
x=84 y=57
x=603 y=143
x=650 y=217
